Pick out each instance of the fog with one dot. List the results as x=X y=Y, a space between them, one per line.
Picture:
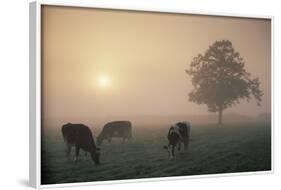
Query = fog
x=100 y=65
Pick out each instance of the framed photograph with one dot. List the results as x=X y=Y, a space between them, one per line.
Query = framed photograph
x=120 y=94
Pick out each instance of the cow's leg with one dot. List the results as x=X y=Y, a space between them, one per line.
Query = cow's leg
x=179 y=146
x=77 y=148
x=68 y=151
x=169 y=149
x=186 y=140
x=173 y=152
x=109 y=140
x=186 y=143
x=127 y=137
x=85 y=158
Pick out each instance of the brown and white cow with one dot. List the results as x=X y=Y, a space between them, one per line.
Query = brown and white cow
x=81 y=137
x=178 y=134
x=121 y=129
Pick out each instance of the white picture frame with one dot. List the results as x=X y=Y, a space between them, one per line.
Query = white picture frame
x=35 y=89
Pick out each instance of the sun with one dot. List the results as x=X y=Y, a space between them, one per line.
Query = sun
x=104 y=81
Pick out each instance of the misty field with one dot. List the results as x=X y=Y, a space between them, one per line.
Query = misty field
x=213 y=149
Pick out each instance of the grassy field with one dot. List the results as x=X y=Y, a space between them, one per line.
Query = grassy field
x=213 y=149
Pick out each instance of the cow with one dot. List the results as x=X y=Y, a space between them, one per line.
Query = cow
x=178 y=134
x=121 y=129
x=80 y=136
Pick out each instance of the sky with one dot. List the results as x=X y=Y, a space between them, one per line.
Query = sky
x=103 y=63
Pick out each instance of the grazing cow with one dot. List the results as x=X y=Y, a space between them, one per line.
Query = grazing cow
x=179 y=133
x=122 y=129
x=80 y=136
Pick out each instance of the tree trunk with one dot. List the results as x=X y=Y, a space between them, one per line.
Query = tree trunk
x=220 y=116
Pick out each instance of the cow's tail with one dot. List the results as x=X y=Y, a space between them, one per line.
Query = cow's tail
x=133 y=137
x=64 y=133
x=92 y=140
x=130 y=134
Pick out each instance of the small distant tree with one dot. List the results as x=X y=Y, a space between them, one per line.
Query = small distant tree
x=220 y=80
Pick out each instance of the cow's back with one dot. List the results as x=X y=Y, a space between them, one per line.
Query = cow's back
x=68 y=132
x=118 y=128
x=78 y=134
x=184 y=129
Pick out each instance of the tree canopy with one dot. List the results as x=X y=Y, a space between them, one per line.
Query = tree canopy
x=220 y=80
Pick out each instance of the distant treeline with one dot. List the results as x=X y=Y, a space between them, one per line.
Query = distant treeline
x=161 y=120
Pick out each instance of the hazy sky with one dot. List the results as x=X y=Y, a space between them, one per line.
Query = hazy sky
x=98 y=63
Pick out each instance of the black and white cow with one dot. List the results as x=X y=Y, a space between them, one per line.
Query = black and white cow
x=121 y=129
x=178 y=134
x=80 y=136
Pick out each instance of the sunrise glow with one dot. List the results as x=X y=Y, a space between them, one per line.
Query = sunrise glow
x=104 y=81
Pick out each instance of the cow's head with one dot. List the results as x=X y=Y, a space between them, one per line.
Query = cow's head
x=96 y=156
x=99 y=140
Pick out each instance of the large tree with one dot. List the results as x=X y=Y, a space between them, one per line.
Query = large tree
x=220 y=80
